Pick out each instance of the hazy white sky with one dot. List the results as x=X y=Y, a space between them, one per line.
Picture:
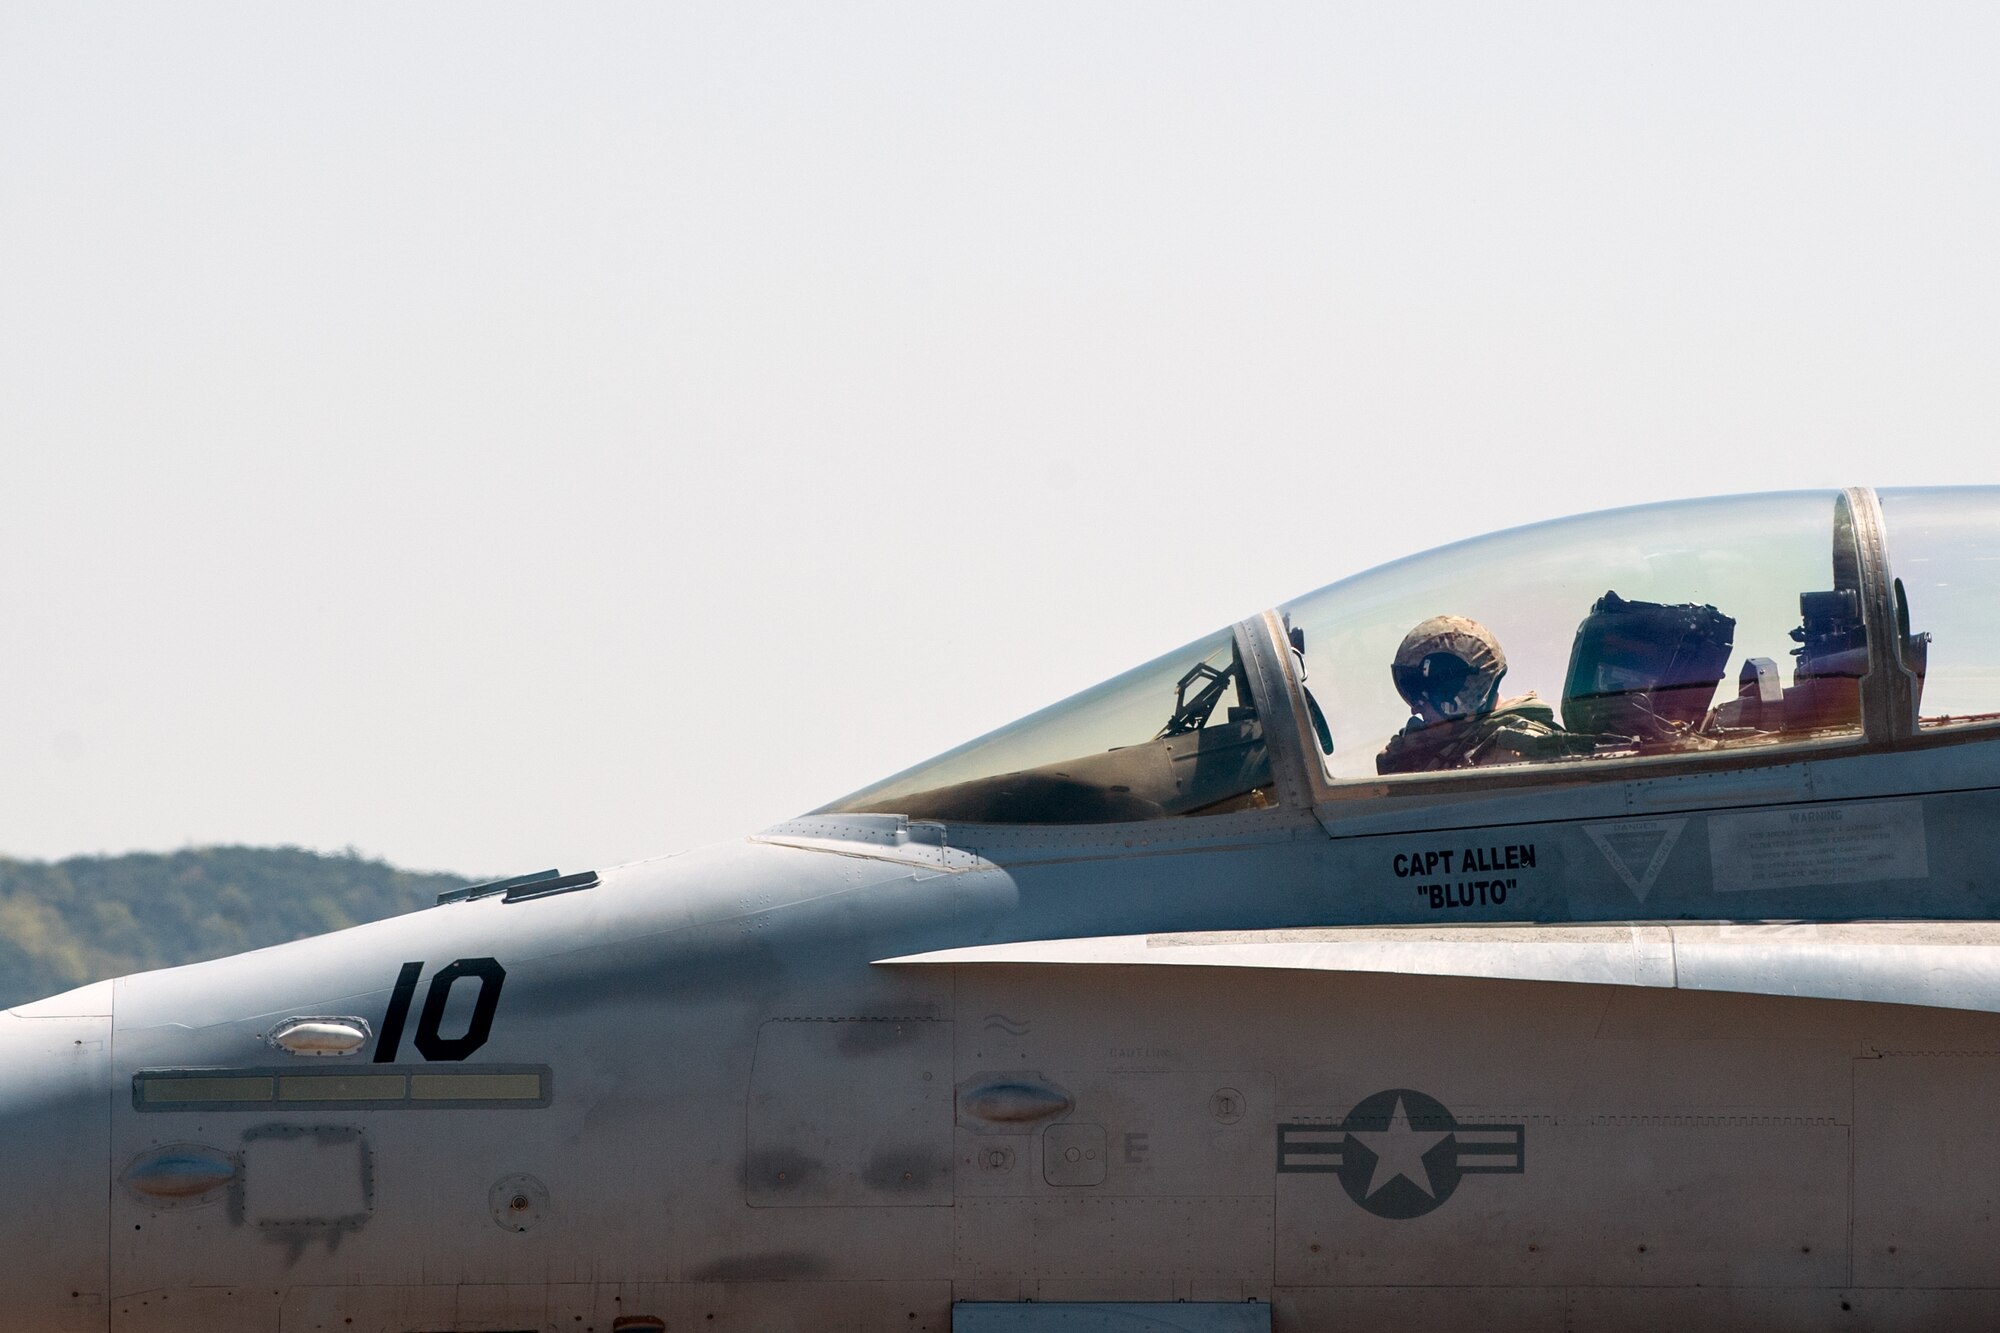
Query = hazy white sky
x=497 y=436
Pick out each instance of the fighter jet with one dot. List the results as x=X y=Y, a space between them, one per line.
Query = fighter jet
x=1588 y=926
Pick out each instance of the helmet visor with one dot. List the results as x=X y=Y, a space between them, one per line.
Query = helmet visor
x=1445 y=682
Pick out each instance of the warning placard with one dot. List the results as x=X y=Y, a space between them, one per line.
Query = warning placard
x=1821 y=844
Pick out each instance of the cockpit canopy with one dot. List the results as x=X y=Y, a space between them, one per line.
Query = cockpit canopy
x=1681 y=627
x=1177 y=736
x=1721 y=627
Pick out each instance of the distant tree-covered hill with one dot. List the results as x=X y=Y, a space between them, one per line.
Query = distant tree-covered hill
x=65 y=923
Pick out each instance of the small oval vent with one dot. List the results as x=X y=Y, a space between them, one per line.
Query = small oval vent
x=1014 y=1101
x=180 y=1173
x=321 y=1036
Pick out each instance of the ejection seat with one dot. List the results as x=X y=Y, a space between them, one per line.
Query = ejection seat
x=1645 y=672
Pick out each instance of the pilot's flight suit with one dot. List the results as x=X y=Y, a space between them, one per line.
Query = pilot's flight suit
x=1516 y=730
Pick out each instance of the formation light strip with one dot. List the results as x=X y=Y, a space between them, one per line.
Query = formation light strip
x=481 y=1087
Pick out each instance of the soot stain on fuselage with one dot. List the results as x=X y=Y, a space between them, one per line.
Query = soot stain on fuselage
x=865 y=1036
x=774 y=1266
x=904 y=1170
x=782 y=1170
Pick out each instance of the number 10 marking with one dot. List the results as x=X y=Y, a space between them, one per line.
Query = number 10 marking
x=431 y=1043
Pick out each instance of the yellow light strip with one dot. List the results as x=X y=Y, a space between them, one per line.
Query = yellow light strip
x=168 y=1089
x=218 y=1088
x=475 y=1087
x=343 y=1087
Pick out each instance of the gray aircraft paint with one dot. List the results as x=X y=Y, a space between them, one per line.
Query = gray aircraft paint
x=860 y=1071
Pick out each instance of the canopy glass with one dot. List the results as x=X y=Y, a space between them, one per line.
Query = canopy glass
x=1177 y=736
x=1739 y=624
x=1670 y=628
x=1944 y=551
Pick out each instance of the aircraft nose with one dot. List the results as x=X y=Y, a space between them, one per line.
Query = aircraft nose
x=55 y=1141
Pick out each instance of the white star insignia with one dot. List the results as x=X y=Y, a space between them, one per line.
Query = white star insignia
x=1399 y=1151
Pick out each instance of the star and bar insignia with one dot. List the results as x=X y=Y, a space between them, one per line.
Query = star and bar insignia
x=1399 y=1153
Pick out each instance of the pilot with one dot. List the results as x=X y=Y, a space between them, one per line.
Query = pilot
x=1448 y=671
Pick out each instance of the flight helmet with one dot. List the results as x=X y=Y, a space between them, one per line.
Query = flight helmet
x=1453 y=664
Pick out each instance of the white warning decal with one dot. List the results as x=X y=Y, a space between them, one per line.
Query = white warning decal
x=1822 y=844
x=1637 y=849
